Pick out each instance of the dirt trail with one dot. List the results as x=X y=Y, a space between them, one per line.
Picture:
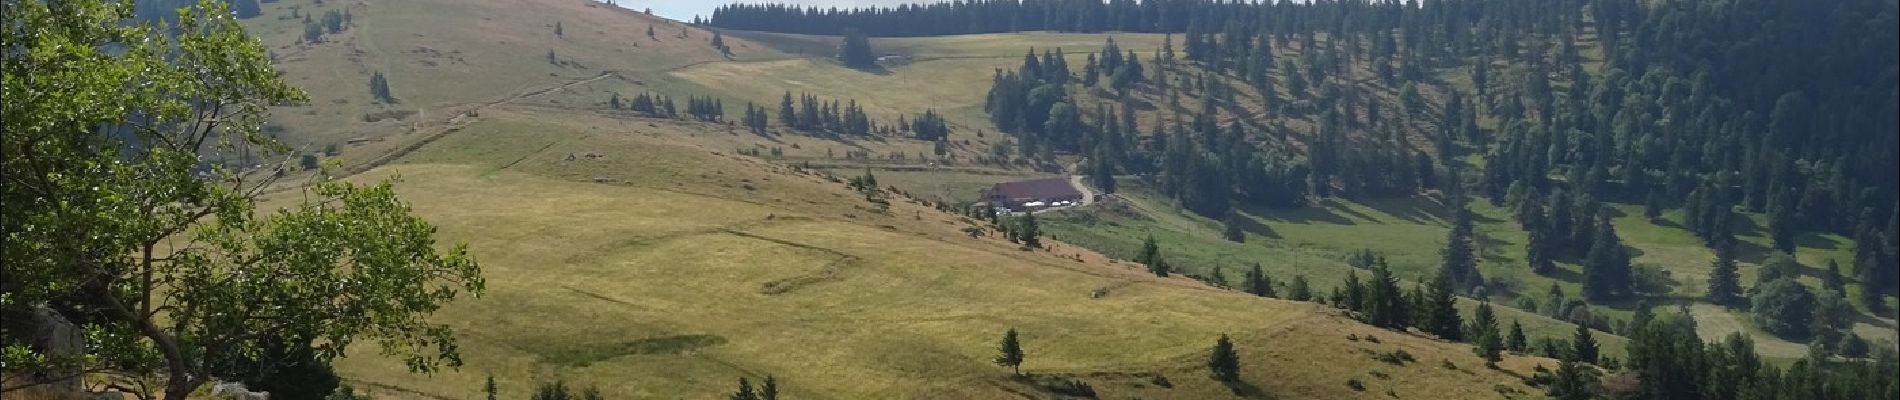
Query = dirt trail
x=1088 y=195
x=457 y=122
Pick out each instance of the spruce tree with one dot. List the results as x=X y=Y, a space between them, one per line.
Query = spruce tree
x=1571 y=382
x=1833 y=280
x=1484 y=334
x=856 y=51
x=1223 y=363
x=1517 y=342
x=379 y=88
x=1606 y=270
x=557 y=390
x=1010 y=352
x=745 y=391
x=489 y=388
x=1385 y=305
x=1459 y=258
x=1583 y=346
x=769 y=391
x=1150 y=256
x=1538 y=251
x=1299 y=289
x=1353 y=293
x=1257 y=282
x=1442 y=309
x=1781 y=222
x=1725 y=282
x=1028 y=231
x=1555 y=303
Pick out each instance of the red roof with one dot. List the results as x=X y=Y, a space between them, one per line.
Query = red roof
x=1039 y=189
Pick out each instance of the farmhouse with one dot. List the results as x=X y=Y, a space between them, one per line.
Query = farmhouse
x=1035 y=193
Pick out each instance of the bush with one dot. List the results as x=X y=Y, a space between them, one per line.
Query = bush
x=1069 y=387
x=1540 y=377
x=345 y=392
x=1395 y=357
x=1162 y=381
x=1784 y=307
x=1853 y=347
x=1356 y=385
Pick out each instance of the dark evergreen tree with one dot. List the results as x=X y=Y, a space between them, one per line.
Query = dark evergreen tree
x=1352 y=293
x=1572 y=382
x=1538 y=249
x=1460 y=262
x=1442 y=309
x=745 y=391
x=1483 y=331
x=1257 y=283
x=769 y=390
x=556 y=390
x=1299 y=289
x=379 y=88
x=1010 y=352
x=1385 y=305
x=1583 y=346
x=1606 y=270
x=1150 y=256
x=1832 y=280
x=1224 y=363
x=1516 y=341
x=856 y=51
x=1725 y=282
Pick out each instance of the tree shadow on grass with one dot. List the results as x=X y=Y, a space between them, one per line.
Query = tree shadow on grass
x=1247 y=390
x=1753 y=253
x=1311 y=214
x=1339 y=206
x=1564 y=274
x=1863 y=318
x=1816 y=241
x=1257 y=227
x=1745 y=226
x=1419 y=209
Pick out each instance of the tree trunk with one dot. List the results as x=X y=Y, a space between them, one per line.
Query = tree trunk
x=179 y=383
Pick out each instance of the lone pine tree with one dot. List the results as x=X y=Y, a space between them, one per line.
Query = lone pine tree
x=1224 y=363
x=1010 y=352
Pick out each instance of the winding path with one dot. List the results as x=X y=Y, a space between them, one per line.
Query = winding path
x=1088 y=195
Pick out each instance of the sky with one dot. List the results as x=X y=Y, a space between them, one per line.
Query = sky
x=684 y=10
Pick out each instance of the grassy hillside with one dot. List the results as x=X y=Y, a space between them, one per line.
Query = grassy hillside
x=444 y=57
x=655 y=267
x=1314 y=241
x=647 y=257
